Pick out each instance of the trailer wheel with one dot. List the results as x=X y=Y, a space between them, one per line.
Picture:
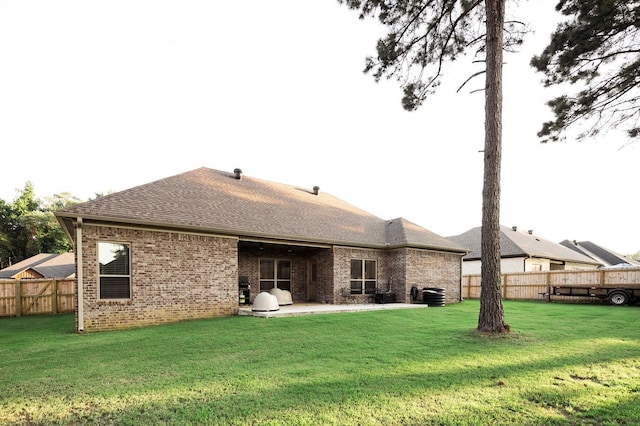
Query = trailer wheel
x=618 y=298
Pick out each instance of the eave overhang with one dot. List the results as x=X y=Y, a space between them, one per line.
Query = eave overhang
x=67 y=222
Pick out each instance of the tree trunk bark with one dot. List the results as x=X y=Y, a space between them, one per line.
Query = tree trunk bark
x=491 y=318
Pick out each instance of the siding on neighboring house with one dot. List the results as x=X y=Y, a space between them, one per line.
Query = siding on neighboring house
x=523 y=264
x=28 y=273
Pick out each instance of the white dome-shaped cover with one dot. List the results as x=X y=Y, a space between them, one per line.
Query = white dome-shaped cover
x=265 y=302
x=283 y=296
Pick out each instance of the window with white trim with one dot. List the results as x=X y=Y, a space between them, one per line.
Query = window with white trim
x=364 y=276
x=114 y=270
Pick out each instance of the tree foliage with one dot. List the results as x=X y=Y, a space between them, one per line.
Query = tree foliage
x=422 y=36
x=597 y=50
x=28 y=226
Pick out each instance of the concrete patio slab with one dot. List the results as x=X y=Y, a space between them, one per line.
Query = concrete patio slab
x=298 y=309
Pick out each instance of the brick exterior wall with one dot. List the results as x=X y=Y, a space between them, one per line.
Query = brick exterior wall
x=174 y=276
x=342 y=272
x=435 y=269
x=178 y=276
x=399 y=270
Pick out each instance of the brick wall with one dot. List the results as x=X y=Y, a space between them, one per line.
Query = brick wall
x=174 y=276
x=434 y=269
x=396 y=261
x=342 y=271
x=400 y=269
x=325 y=286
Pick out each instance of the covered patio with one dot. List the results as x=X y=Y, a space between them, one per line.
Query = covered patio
x=299 y=309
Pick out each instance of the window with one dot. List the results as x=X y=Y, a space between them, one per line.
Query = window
x=363 y=276
x=115 y=270
x=275 y=273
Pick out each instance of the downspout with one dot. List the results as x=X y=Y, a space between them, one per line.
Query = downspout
x=461 y=297
x=79 y=279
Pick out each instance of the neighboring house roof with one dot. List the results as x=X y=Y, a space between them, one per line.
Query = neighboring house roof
x=46 y=265
x=214 y=201
x=599 y=253
x=515 y=243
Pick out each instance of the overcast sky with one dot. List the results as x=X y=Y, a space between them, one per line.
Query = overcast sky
x=104 y=96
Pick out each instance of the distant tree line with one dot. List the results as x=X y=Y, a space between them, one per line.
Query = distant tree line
x=28 y=226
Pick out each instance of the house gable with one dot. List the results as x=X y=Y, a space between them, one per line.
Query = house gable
x=43 y=265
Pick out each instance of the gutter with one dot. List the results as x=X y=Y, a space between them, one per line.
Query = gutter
x=248 y=236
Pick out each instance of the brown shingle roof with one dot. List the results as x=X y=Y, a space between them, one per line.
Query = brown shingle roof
x=46 y=264
x=215 y=201
x=516 y=243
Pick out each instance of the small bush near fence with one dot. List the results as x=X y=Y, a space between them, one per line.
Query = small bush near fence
x=537 y=285
x=36 y=296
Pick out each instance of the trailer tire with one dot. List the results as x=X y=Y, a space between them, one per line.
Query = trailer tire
x=618 y=298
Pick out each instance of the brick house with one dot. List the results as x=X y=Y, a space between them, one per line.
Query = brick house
x=175 y=248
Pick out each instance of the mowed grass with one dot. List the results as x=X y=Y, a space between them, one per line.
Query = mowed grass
x=563 y=364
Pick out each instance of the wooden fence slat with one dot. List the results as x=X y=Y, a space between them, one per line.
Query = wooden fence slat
x=54 y=296
x=18 y=296
x=37 y=296
x=533 y=285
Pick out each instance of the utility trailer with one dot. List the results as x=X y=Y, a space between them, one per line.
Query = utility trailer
x=616 y=295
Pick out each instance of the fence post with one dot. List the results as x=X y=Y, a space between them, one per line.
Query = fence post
x=54 y=296
x=548 y=286
x=18 y=296
x=504 y=286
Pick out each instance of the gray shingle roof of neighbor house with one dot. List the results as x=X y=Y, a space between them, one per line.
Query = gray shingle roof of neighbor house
x=599 y=253
x=207 y=200
x=47 y=264
x=515 y=243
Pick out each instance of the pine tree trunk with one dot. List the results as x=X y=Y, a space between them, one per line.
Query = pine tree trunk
x=491 y=318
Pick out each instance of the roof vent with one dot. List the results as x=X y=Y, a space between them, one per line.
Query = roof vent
x=316 y=189
x=515 y=228
x=530 y=231
x=238 y=173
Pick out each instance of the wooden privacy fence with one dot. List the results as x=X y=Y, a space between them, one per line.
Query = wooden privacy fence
x=536 y=285
x=37 y=296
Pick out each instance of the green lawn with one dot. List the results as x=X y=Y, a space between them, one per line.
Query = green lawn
x=562 y=364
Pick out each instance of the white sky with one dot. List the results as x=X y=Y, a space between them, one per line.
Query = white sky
x=99 y=96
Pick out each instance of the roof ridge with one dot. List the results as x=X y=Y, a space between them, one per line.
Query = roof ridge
x=504 y=231
x=210 y=200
